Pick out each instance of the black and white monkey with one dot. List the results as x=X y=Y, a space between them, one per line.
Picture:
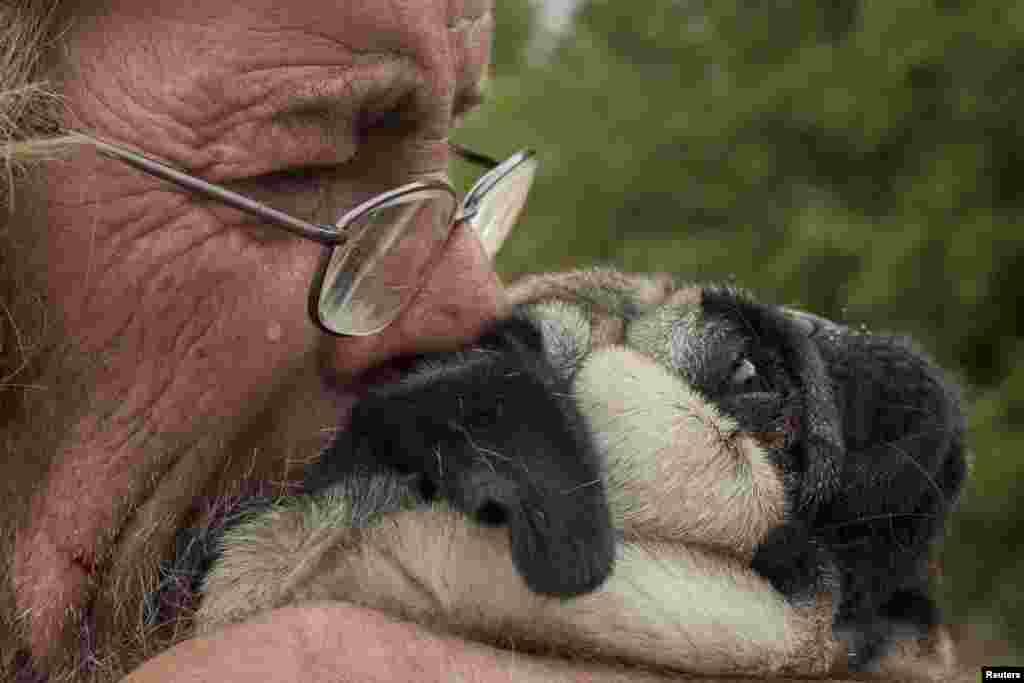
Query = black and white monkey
x=627 y=468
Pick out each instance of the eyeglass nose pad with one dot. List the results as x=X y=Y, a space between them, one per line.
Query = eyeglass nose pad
x=489 y=244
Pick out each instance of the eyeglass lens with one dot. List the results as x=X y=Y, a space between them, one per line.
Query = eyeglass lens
x=372 y=276
x=500 y=206
x=392 y=247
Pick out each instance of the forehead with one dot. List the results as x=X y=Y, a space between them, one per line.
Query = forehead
x=242 y=51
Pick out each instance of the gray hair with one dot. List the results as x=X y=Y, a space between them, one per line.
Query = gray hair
x=30 y=103
x=31 y=130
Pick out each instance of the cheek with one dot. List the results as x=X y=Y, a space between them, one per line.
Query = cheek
x=253 y=319
x=228 y=324
x=179 y=308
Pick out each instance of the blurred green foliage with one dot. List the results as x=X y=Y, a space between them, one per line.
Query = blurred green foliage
x=862 y=160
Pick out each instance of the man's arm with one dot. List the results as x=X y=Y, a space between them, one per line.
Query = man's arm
x=342 y=643
x=338 y=642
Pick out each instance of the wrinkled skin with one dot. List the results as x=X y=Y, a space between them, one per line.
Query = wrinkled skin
x=190 y=365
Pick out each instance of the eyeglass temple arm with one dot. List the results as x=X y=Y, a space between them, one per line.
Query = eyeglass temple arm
x=474 y=157
x=283 y=220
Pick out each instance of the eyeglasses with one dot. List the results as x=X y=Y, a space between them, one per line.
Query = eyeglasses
x=379 y=253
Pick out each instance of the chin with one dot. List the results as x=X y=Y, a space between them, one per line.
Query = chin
x=633 y=469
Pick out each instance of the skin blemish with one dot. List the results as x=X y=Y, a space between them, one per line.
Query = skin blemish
x=274 y=332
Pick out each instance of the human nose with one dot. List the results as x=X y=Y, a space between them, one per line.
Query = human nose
x=460 y=296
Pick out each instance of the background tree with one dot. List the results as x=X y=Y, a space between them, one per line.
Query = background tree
x=862 y=160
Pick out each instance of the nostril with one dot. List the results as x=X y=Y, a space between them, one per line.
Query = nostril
x=492 y=513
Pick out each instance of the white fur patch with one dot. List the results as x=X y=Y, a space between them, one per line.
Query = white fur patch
x=678 y=470
x=565 y=329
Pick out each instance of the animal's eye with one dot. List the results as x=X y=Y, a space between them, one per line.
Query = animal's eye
x=746 y=378
x=743 y=373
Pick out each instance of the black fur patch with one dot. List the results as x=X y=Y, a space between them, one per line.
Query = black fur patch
x=494 y=430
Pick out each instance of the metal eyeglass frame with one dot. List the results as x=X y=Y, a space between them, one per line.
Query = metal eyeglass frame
x=328 y=236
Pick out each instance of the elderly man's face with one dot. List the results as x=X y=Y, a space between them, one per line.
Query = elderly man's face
x=191 y=369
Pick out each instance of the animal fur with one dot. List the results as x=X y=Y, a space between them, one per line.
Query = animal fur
x=674 y=476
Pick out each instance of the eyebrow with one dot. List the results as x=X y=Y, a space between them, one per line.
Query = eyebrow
x=339 y=105
x=319 y=110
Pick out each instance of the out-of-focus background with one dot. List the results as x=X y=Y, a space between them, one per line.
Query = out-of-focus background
x=862 y=160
